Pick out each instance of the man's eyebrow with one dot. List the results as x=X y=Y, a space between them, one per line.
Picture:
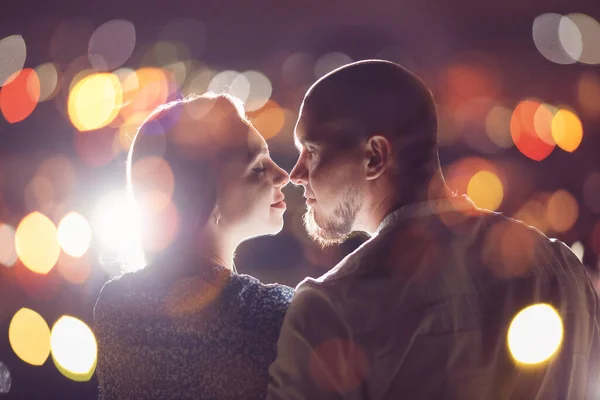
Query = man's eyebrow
x=299 y=143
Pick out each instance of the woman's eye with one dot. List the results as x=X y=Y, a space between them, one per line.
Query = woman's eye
x=259 y=170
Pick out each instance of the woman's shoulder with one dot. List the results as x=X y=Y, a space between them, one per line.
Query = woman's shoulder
x=252 y=290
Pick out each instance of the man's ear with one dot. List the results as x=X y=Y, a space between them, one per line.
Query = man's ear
x=378 y=150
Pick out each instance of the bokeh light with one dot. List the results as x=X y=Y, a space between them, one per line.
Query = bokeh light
x=588 y=29
x=70 y=39
x=562 y=211
x=74 y=234
x=48 y=76
x=36 y=243
x=485 y=189
x=29 y=337
x=19 y=98
x=330 y=61
x=75 y=270
x=523 y=133
x=588 y=94
x=591 y=191
x=111 y=44
x=269 y=120
x=534 y=212
x=198 y=81
x=535 y=334
x=567 y=130
x=298 y=69
x=542 y=122
x=497 y=126
x=13 y=53
x=74 y=348
x=95 y=101
x=570 y=38
x=96 y=148
x=231 y=82
x=8 y=254
x=260 y=90
x=151 y=90
x=5 y=379
x=547 y=31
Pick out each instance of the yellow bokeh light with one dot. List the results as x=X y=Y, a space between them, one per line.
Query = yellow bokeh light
x=485 y=189
x=567 y=130
x=36 y=243
x=74 y=348
x=74 y=234
x=95 y=101
x=269 y=120
x=535 y=334
x=562 y=211
x=29 y=336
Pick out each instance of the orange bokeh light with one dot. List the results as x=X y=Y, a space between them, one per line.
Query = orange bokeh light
x=95 y=101
x=567 y=130
x=562 y=211
x=19 y=98
x=523 y=131
x=269 y=120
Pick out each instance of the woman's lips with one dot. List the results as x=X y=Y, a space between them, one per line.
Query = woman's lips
x=279 y=204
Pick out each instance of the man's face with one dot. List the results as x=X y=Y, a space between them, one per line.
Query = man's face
x=331 y=172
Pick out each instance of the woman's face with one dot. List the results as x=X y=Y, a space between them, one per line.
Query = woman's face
x=250 y=201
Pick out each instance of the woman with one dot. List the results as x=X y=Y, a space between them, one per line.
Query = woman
x=187 y=325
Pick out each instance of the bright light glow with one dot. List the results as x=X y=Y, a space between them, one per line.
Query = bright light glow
x=36 y=243
x=155 y=183
x=12 y=57
x=567 y=130
x=535 y=334
x=95 y=101
x=19 y=98
x=29 y=336
x=485 y=189
x=114 y=222
x=74 y=348
x=8 y=254
x=74 y=234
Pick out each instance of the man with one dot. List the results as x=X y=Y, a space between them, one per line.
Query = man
x=423 y=309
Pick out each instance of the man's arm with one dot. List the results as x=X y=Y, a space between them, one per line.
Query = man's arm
x=317 y=358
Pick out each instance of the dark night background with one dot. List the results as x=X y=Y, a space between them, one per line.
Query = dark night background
x=489 y=43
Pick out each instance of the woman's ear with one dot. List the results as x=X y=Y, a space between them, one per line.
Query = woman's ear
x=378 y=156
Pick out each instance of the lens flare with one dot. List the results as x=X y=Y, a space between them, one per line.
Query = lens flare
x=535 y=334
x=36 y=243
x=29 y=336
x=74 y=348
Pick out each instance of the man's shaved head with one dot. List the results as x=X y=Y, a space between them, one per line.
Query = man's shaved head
x=372 y=128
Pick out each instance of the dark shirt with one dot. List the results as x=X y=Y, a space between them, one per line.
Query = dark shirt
x=422 y=311
x=211 y=335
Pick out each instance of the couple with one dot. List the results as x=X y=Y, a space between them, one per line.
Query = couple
x=419 y=311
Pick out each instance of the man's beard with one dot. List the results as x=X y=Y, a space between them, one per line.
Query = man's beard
x=334 y=230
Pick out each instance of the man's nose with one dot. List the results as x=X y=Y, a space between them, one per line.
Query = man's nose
x=299 y=174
